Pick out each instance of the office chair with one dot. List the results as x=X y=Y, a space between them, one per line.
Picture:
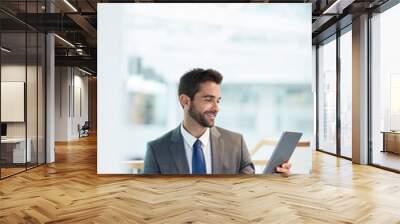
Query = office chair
x=84 y=130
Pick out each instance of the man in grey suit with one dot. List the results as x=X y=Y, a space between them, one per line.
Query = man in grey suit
x=196 y=146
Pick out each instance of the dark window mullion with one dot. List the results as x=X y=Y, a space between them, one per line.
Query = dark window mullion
x=369 y=90
x=37 y=90
x=26 y=86
x=338 y=98
x=317 y=96
x=0 y=95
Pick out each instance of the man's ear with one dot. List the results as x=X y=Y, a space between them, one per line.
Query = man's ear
x=184 y=101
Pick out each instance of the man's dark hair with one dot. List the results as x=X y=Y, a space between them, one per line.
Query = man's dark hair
x=189 y=83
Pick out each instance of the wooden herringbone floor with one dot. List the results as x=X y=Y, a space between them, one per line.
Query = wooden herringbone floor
x=69 y=191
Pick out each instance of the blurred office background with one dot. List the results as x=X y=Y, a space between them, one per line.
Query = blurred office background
x=144 y=49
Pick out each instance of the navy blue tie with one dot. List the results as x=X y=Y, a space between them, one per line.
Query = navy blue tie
x=198 y=161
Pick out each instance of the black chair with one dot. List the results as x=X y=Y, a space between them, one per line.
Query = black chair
x=84 y=130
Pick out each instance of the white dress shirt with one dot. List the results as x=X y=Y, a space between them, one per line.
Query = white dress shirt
x=189 y=140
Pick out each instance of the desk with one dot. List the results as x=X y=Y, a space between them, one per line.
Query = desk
x=13 y=150
x=391 y=141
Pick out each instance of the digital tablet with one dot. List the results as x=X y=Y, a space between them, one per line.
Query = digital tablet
x=283 y=151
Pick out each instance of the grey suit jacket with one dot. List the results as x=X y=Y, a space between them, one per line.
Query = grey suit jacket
x=229 y=154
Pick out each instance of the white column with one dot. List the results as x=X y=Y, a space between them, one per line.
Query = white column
x=50 y=99
x=50 y=92
x=360 y=90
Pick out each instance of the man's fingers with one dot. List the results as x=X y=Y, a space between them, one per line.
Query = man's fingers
x=286 y=165
x=281 y=170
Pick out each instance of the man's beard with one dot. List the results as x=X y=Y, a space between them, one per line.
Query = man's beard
x=200 y=118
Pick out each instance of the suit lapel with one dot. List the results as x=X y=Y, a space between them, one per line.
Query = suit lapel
x=217 y=147
x=177 y=150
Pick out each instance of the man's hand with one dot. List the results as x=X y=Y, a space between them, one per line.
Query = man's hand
x=284 y=169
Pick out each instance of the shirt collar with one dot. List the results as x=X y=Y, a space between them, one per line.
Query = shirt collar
x=190 y=139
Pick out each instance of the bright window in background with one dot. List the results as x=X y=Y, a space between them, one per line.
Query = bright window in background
x=327 y=97
x=146 y=48
x=394 y=102
x=386 y=88
x=346 y=94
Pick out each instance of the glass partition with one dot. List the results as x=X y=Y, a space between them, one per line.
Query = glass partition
x=13 y=105
x=31 y=100
x=385 y=89
x=22 y=90
x=346 y=94
x=327 y=97
x=41 y=91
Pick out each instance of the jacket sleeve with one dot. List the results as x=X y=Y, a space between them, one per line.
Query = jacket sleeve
x=150 y=162
x=246 y=165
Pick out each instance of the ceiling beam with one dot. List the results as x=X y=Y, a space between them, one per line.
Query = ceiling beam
x=82 y=61
x=86 y=26
x=337 y=6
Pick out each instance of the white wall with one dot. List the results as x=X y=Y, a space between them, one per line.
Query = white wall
x=69 y=84
x=61 y=103
x=80 y=84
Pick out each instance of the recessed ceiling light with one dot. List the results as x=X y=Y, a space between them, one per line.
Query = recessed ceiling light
x=84 y=71
x=70 y=5
x=64 y=40
x=5 y=50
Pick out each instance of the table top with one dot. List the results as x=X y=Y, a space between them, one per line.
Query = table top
x=391 y=132
x=13 y=140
